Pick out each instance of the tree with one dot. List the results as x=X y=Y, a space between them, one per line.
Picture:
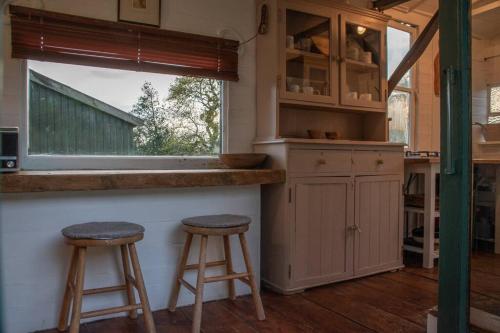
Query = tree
x=185 y=123
x=152 y=137
x=195 y=105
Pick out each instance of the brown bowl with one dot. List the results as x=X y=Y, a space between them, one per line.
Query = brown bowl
x=332 y=135
x=314 y=134
x=242 y=161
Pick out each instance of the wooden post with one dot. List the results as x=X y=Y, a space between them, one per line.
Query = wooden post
x=130 y=288
x=78 y=291
x=68 y=296
x=229 y=266
x=456 y=165
x=141 y=289
x=199 y=285
x=181 y=267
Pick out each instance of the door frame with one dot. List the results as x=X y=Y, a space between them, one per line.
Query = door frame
x=456 y=165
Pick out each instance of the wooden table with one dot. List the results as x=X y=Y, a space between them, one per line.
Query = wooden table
x=430 y=168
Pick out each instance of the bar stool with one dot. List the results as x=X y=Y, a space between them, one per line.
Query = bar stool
x=84 y=235
x=215 y=225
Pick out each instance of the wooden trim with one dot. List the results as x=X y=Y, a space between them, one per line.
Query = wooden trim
x=387 y=4
x=214 y=231
x=103 y=242
x=87 y=180
x=415 y=52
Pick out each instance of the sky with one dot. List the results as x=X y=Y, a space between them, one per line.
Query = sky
x=398 y=42
x=118 y=88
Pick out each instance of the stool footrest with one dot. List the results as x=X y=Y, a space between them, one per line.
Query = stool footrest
x=104 y=290
x=208 y=264
x=225 y=277
x=188 y=285
x=123 y=308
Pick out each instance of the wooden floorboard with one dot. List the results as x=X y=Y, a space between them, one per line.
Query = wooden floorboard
x=389 y=302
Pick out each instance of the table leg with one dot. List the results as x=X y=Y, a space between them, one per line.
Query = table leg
x=429 y=215
x=497 y=209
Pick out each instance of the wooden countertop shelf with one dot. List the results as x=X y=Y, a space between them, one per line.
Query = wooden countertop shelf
x=91 y=180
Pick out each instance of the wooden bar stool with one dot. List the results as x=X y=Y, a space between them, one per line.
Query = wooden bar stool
x=81 y=236
x=215 y=225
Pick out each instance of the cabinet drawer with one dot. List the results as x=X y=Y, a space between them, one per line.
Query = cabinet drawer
x=378 y=162
x=320 y=161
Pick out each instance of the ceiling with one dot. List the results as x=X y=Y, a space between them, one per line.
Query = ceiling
x=485 y=15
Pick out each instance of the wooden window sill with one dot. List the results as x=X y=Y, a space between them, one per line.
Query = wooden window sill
x=91 y=180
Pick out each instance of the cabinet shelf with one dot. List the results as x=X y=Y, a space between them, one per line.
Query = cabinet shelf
x=295 y=53
x=360 y=66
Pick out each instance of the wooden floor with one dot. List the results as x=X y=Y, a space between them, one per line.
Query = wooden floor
x=389 y=302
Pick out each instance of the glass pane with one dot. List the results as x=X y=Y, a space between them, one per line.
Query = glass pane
x=307 y=53
x=495 y=100
x=399 y=111
x=73 y=111
x=398 y=44
x=363 y=63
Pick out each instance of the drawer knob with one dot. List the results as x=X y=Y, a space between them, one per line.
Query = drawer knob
x=321 y=161
x=380 y=162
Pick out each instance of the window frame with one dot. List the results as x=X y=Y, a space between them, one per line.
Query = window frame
x=489 y=86
x=413 y=91
x=111 y=162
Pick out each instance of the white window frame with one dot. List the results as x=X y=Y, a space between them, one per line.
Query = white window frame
x=413 y=91
x=111 y=162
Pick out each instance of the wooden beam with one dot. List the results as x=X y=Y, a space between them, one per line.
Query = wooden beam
x=386 y=4
x=485 y=8
x=415 y=52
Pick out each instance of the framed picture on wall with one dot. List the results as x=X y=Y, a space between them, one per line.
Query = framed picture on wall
x=147 y=12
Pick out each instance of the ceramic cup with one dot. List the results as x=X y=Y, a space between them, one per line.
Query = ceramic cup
x=353 y=53
x=306 y=44
x=290 y=43
x=308 y=90
x=365 y=97
x=352 y=95
x=366 y=57
x=295 y=88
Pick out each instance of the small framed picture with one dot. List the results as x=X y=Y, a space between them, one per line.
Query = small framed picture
x=147 y=12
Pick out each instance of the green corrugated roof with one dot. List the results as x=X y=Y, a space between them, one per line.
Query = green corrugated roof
x=83 y=98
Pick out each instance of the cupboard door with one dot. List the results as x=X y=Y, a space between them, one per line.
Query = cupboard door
x=322 y=238
x=378 y=224
x=308 y=49
x=363 y=65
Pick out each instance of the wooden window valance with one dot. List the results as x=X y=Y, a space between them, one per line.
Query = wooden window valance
x=49 y=36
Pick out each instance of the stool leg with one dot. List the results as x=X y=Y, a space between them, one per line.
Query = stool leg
x=199 y=285
x=255 y=292
x=67 y=298
x=229 y=267
x=126 y=272
x=180 y=273
x=146 y=310
x=78 y=292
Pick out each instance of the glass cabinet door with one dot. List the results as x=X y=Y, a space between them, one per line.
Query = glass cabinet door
x=363 y=64
x=307 y=55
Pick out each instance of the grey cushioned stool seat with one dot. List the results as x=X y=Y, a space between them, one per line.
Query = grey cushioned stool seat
x=102 y=230
x=217 y=221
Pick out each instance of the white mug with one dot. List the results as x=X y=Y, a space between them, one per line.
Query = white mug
x=366 y=57
x=365 y=97
x=295 y=88
x=308 y=90
x=352 y=95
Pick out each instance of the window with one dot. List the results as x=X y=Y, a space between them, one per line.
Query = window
x=82 y=110
x=494 y=104
x=401 y=100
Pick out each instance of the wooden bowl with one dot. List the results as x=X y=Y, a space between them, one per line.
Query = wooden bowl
x=242 y=161
x=315 y=134
x=332 y=135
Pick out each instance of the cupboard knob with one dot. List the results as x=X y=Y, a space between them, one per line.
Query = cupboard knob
x=380 y=162
x=321 y=161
